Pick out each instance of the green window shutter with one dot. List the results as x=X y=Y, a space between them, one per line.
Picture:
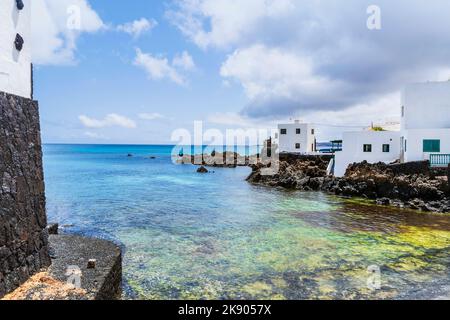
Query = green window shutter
x=431 y=145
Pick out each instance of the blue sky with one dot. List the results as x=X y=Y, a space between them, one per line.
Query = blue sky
x=134 y=71
x=103 y=80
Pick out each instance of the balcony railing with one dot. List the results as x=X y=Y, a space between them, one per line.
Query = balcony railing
x=439 y=160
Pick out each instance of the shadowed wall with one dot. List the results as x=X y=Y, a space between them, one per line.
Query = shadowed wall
x=23 y=235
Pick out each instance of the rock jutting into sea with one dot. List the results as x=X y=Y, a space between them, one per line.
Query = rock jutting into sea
x=219 y=160
x=410 y=185
x=202 y=169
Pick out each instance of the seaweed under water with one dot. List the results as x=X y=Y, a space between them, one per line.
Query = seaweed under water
x=214 y=236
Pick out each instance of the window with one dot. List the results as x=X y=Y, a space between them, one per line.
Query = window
x=386 y=148
x=367 y=148
x=403 y=111
x=431 y=145
x=312 y=131
x=297 y=146
x=18 y=42
x=283 y=131
x=298 y=131
x=19 y=4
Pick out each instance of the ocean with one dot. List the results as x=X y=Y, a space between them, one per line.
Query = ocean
x=214 y=236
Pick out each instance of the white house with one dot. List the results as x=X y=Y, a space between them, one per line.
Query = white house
x=424 y=132
x=372 y=146
x=425 y=129
x=15 y=49
x=296 y=137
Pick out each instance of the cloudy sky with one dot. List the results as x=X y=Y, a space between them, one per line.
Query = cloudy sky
x=134 y=71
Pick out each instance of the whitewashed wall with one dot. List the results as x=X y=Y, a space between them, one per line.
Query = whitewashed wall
x=15 y=66
x=352 y=149
x=414 y=143
x=306 y=138
x=426 y=106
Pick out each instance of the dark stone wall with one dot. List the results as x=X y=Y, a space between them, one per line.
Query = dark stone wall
x=448 y=177
x=23 y=235
x=415 y=167
x=292 y=157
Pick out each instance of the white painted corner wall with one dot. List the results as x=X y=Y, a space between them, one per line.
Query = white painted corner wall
x=426 y=106
x=15 y=66
x=306 y=139
x=353 y=149
x=414 y=145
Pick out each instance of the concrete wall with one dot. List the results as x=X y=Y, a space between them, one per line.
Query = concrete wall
x=15 y=66
x=414 y=142
x=287 y=142
x=352 y=149
x=23 y=238
x=426 y=106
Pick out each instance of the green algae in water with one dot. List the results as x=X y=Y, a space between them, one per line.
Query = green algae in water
x=282 y=256
x=216 y=237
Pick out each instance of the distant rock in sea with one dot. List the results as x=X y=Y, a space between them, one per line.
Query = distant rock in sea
x=202 y=170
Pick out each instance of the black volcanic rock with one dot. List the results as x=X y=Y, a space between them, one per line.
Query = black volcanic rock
x=23 y=221
x=202 y=170
x=411 y=185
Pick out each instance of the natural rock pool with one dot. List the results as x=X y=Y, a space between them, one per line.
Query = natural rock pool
x=214 y=236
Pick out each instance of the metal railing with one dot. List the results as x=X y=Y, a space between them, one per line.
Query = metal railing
x=439 y=160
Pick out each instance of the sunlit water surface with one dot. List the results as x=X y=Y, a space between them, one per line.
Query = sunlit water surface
x=214 y=236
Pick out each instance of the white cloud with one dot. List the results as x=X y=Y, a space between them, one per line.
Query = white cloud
x=95 y=135
x=270 y=72
x=159 y=68
x=151 y=116
x=54 y=40
x=138 y=27
x=111 y=120
x=228 y=21
x=184 y=61
x=294 y=56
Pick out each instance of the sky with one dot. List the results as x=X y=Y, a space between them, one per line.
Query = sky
x=132 y=72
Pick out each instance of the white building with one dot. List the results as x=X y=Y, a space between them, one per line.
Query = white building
x=425 y=121
x=15 y=49
x=296 y=137
x=424 y=133
x=372 y=146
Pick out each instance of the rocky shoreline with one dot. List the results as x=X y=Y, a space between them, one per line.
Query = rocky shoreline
x=219 y=160
x=410 y=185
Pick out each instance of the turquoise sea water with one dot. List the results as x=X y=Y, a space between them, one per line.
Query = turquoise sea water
x=214 y=236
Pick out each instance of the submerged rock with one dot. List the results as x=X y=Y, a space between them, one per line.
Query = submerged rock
x=53 y=228
x=202 y=170
x=384 y=201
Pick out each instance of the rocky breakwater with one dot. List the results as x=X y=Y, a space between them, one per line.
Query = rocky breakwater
x=300 y=172
x=218 y=160
x=411 y=185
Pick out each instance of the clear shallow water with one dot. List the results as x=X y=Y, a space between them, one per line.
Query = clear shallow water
x=213 y=236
